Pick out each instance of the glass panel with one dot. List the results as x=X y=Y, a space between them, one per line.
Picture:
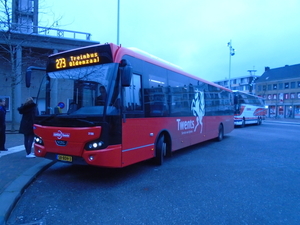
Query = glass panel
x=67 y=91
x=132 y=98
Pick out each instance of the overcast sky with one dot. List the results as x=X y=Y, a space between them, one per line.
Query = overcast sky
x=193 y=34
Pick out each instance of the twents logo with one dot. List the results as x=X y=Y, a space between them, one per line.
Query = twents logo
x=198 y=110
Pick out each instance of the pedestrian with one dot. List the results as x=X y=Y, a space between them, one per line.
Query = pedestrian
x=28 y=111
x=2 y=125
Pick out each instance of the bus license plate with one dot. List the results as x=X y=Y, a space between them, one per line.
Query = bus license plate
x=64 y=158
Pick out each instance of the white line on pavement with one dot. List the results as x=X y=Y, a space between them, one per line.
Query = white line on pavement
x=12 y=150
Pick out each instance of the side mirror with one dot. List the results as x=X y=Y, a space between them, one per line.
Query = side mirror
x=126 y=72
x=28 y=77
x=28 y=74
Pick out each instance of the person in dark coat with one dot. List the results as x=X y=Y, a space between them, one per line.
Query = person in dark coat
x=2 y=125
x=28 y=111
x=100 y=100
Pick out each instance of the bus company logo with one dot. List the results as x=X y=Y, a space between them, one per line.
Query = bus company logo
x=59 y=134
x=186 y=126
x=198 y=108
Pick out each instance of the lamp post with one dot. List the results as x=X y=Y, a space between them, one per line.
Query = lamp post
x=252 y=81
x=118 y=23
x=231 y=53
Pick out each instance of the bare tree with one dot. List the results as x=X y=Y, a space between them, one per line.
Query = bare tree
x=15 y=37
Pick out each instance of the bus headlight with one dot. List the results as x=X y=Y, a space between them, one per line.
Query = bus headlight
x=94 y=145
x=38 y=140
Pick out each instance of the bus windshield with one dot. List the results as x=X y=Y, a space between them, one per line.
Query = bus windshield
x=80 y=91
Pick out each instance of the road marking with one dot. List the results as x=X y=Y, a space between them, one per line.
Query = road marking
x=12 y=150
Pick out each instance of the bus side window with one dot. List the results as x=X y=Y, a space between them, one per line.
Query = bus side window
x=132 y=94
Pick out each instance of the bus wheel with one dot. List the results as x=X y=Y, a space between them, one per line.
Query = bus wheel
x=160 y=150
x=220 y=133
x=243 y=123
x=258 y=121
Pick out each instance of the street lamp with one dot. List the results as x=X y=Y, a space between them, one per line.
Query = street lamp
x=252 y=81
x=118 y=23
x=231 y=53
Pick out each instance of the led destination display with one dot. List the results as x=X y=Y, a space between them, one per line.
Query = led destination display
x=81 y=57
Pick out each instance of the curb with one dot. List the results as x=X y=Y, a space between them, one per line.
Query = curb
x=14 y=191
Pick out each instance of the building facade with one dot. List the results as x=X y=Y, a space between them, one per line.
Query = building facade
x=24 y=44
x=281 y=89
x=245 y=83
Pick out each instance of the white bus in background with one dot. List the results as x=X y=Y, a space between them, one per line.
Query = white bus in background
x=248 y=109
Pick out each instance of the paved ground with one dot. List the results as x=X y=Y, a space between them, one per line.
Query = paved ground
x=17 y=171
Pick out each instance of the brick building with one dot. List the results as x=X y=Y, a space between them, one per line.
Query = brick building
x=281 y=89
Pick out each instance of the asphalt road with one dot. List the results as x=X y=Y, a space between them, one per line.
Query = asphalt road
x=251 y=177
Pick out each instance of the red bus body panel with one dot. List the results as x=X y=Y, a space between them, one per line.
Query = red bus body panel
x=139 y=135
x=76 y=139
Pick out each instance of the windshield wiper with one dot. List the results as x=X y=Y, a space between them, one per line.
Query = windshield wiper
x=49 y=118
x=85 y=121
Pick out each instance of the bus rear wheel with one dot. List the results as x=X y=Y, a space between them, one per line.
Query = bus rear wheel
x=259 y=120
x=220 y=133
x=160 y=150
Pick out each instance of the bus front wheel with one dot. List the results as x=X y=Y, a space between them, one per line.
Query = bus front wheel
x=243 y=123
x=160 y=150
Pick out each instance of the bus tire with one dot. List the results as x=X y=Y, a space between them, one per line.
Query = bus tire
x=259 y=121
x=243 y=123
x=220 y=133
x=160 y=150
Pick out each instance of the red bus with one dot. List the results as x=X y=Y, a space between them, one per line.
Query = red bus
x=248 y=109
x=110 y=106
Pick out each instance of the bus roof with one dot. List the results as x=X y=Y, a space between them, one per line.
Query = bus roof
x=118 y=52
x=135 y=52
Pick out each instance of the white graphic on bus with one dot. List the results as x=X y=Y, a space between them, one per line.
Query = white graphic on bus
x=198 y=108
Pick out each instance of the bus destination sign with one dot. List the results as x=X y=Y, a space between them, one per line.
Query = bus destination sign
x=90 y=56
x=77 y=60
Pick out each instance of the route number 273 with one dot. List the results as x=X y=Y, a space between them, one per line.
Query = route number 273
x=61 y=63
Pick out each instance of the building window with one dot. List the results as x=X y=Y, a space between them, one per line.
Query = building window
x=274 y=86
x=286 y=96
x=269 y=87
x=280 y=97
x=280 y=86
x=293 y=84
x=264 y=88
x=293 y=95
x=298 y=84
x=286 y=85
x=259 y=88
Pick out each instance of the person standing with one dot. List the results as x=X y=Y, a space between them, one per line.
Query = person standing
x=100 y=100
x=28 y=111
x=2 y=125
